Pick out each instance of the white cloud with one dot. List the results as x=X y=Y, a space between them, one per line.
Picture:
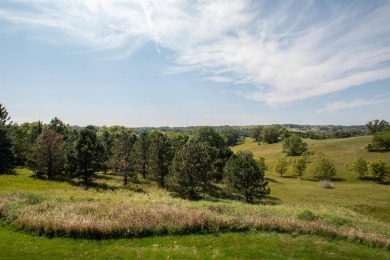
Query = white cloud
x=286 y=51
x=341 y=105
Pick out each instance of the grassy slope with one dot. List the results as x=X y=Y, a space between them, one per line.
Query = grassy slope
x=352 y=202
x=363 y=196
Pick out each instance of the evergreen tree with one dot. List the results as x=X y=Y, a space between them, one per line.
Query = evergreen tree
x=161 y=155
x=142 y=147
x=7 y=150
x=246 y=176
x=84 y=155
x=7 y=153
x=191 y=168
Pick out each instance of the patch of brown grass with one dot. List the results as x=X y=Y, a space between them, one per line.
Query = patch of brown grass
x=107 y=219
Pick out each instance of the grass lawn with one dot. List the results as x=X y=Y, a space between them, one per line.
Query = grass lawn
x=243 y=245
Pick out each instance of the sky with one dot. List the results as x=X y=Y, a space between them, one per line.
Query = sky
x=195 y=62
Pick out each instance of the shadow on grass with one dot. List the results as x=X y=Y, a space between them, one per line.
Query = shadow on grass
x=290 y=177
x=92 y=185
x=337 y=179
x=272 y=180
x=269 y=200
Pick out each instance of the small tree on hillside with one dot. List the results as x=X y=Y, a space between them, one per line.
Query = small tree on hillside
x=359 y=166
x=380 y=142
x=245 y=176
x=281 y=165
x=324 y=168
x=298 y=166
x=191 y=169
x=48 y=154
x=294 y=146
x=378 y=170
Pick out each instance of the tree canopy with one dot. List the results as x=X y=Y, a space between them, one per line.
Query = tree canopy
x=294 y=146
x=245 y=176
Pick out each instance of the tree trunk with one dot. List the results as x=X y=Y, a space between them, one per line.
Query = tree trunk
x=125 y=177
x=144 y=170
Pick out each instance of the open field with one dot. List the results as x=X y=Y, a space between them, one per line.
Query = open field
x=355 y=211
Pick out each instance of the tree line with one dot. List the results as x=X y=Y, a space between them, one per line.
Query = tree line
x=187 y=164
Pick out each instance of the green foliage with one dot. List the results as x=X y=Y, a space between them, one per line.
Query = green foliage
x=106 y=139
x=359 y=166
x=4 y=117
x=294 y=146
x=246 y=176
x=378 y=170
x=255 y=133
x=123 y=156
x=24 y=137
x=60 y=127
x=84 y=154
x=161 y=155
x=298 y=166
x=142 y=147
x=48 y=154
x=281 y=165
x=273 y=134
x=380 y=142
x=231 y=135
x=377 y=125
x=191 y=169
x=7 y=153
x=324 y=168
x=207 y=134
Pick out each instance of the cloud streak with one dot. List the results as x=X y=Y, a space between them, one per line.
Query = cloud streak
x=284 y=50
x=341 y=105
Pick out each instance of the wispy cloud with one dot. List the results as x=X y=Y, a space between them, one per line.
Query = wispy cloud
x=341 y=105
x=285 y=50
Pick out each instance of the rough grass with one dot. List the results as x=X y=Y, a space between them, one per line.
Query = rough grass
x=354 y=210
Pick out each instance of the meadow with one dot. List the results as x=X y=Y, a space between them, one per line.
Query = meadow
x=299 y=219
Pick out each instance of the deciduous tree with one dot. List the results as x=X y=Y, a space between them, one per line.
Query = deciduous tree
x=324 y=168
x=298 y=166
x=359 y=166
x=281 y=165
x=294 y=146
x=377 y=126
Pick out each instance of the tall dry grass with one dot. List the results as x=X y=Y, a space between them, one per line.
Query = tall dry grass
x=108 y=219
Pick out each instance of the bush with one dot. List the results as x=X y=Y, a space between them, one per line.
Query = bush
x=326 y=184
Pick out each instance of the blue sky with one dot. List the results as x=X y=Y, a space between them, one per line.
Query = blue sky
x=166 y=63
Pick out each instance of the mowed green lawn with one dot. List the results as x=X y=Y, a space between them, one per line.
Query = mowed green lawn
x=352 y=203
